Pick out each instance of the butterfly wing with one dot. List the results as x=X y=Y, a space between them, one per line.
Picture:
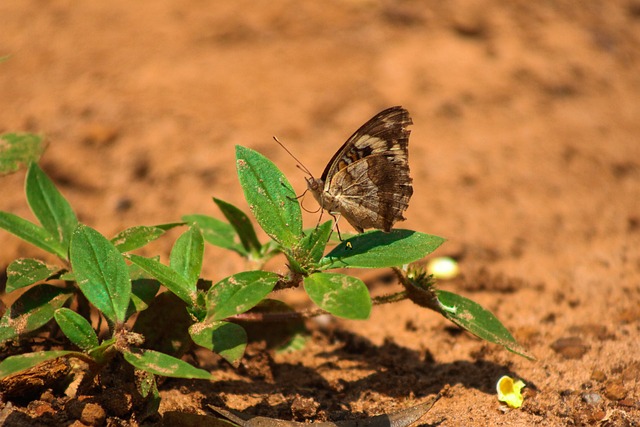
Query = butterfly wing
x=386 y=132
x=373 y=192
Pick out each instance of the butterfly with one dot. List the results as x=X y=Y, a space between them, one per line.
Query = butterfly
x=367 y=180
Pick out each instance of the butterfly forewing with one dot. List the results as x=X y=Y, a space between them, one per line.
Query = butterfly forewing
x=384 y=131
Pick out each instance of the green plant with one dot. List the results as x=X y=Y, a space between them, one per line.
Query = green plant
x=104 y=274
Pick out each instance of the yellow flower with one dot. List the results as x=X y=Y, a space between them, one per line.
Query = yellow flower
x=509 y=391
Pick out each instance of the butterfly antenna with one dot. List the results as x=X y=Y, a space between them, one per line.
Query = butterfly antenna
x=300 y=165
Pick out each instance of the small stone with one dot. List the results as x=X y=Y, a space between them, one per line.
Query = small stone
x=591 y=398
x=629 y=403
x=93 y=414
x=631 y=373
x=40 y=408
x=304 y=407
x=597 y=415
x=614 y=390
x=570 y=347
x=598 y=375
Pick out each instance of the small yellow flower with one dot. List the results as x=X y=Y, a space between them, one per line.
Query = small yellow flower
x=509 y=391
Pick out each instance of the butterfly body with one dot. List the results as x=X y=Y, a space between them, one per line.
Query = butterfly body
x=367 y=181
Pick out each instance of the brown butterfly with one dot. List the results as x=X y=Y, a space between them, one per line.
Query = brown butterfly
x=367 y=181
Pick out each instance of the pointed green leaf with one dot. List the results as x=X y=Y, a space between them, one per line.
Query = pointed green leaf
x=474 y=318
x=170 y=278
x=375 y=249
x=217 y=233
x=239 y=293
x=242 y=225
x=186 y=256
x=313 y=244
x=32 y=233
x=27 y=271
x=101 y=273
x=14 y=364
x=32 y=310
x=271 y=198
x=76 y=328
x=49 y=206
x=164 y=365
x=136 y=237
x=225 y=338
x=339 y=294
x=18 y=150
x=169 y=225
x=146 y=383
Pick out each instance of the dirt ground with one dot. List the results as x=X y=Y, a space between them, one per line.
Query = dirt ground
x=525 y=155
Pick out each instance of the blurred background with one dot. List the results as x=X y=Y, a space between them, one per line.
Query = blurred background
x=525 y=148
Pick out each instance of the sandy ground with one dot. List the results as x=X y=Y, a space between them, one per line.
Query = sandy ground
x=525 y=155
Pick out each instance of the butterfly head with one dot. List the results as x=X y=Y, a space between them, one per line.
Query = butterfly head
x=316 y=186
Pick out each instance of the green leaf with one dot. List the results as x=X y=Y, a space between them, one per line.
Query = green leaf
x=14 y=364
x=76 y=328
x=170 y=278
x=32 y=233
x=27 y=271
x=146 y=383
x=18 y=150
x=164 y=365
x=217 y=233
x=49 y=206
x=169 y=225
x=104 y=352
x=225 y=338
x=136 y=237
x=143 y=291
x=314 y=243
x=31 y=310
x=186 y=256
x=239 y=293
x=339 y=294
x=241 y=224
x=148 y=389
x=101 y=273
x=270 y=196
x=375 y=249
x=472 y=317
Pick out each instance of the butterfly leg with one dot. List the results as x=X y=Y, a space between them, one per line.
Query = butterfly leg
x=335 y=221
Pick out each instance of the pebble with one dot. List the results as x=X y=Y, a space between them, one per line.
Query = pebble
x=93 y=415
x=614 y=390
x=591 y=398
x=570 y=347
x=598 y=375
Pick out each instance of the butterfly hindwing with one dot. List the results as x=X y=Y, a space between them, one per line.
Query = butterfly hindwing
x=373 y=192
